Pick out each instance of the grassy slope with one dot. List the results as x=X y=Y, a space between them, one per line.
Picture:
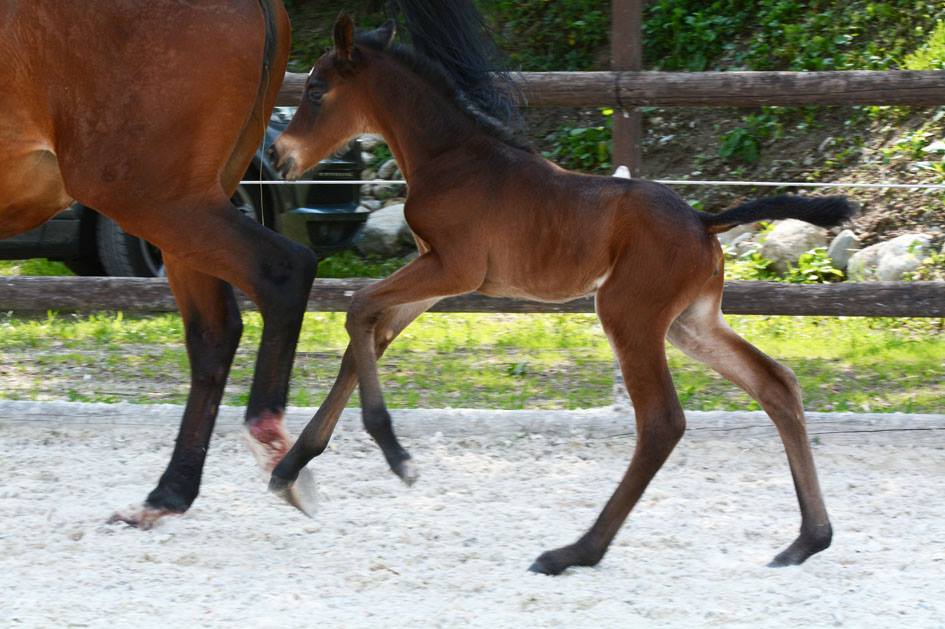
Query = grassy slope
x=490 y=361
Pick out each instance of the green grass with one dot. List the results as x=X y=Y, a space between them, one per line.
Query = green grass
x=477 y=360
x=38 y=266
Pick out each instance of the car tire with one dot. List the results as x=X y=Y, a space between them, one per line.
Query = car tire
x=124 y=255
x=89 y=266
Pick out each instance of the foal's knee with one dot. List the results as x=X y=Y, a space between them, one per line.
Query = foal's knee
x=361 y=315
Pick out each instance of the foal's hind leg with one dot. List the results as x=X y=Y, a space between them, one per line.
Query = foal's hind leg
x=314 y=438
x=212 y=328
x=638 y=340
x=703 y=334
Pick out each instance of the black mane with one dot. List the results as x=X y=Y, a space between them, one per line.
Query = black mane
x=452 y=49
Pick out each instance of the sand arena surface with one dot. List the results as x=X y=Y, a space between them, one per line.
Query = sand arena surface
x=453 y=550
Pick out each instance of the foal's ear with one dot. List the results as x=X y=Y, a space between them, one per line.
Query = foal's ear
x=386 y=32
x=343 y=36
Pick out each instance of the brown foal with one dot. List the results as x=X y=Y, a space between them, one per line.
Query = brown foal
x=494 y=217
x=150 y=112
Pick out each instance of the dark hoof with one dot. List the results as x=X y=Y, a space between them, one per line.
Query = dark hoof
x=407 y=471
x=803 y=547
x=546 y=565
x=554 y=562
x=300 y=493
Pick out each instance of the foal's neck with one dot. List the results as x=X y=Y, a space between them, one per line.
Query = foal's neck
x=418 y=121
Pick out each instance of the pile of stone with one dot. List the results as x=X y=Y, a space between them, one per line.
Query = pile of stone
x=386 y=234
x=887 y=261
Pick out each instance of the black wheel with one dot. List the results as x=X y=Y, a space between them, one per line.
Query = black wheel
x=125 y=255
x=88 y=265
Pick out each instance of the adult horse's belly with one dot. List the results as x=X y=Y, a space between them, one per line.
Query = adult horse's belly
x=31 y=186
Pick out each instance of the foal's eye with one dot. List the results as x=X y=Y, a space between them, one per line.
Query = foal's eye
x=316 y=90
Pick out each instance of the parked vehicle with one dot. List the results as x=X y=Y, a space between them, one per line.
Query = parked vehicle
x=325 y=218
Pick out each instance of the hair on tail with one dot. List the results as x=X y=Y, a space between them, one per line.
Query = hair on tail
x=820 y=211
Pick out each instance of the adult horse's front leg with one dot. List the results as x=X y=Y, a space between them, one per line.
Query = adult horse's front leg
x=212 y=328
x=277 y=275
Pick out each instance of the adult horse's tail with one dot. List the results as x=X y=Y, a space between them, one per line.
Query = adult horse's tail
x=273 y=64
x=455 y=35
x=822 y=211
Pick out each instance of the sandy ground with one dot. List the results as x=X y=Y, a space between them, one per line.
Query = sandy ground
x=495 y=490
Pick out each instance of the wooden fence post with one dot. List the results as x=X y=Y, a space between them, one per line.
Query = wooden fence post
x=626 y=49
x=626 y=46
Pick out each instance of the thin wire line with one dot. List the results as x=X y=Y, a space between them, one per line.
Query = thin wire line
x=668 y=182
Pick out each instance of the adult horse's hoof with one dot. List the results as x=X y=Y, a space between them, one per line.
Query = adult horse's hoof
x=803 y=547
x=144 y=517
x=300 y=493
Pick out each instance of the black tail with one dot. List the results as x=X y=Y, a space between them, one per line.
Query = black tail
x=821 y=211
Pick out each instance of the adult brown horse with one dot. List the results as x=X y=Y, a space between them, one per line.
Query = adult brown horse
x=150 y=112
x=492 y=216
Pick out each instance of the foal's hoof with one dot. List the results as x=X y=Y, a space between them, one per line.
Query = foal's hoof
x=407 y=471
x=300 y=493
x=144 y=517
x=554 y=562
x=803 y=547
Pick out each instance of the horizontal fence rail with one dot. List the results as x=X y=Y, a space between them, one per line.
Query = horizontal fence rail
x=137 y=295
x=710 y=89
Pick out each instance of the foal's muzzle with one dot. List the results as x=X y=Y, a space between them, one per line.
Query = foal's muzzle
x=284 y=166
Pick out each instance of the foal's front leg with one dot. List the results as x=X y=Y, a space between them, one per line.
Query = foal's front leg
x=315 y=437
x=427 y=277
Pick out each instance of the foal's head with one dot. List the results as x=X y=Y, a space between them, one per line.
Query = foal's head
x=334 y=106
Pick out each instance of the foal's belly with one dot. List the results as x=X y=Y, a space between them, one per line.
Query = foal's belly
x=551 y=290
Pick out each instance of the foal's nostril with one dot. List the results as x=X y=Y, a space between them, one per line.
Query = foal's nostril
x=286 y=168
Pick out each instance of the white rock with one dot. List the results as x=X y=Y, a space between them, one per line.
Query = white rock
x=737 y=234
x=622 y=172
x=842 y=248
x=789 y=239
x=370 y=141
x=386 y=233
x=888 y=261
x=389 y=170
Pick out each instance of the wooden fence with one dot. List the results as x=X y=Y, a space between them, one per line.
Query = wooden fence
x=137 y=295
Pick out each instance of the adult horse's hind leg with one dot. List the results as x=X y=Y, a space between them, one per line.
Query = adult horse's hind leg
x=212 y=328
x=636 y=328
x=702 y=333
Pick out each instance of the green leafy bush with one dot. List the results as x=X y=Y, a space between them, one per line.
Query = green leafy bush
x=552 y=34
x=744 y=143
x=583 y=148
x=813 y=267
x=931 y=56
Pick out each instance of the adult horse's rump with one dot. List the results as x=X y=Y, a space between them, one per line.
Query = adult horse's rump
x=150 y=112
